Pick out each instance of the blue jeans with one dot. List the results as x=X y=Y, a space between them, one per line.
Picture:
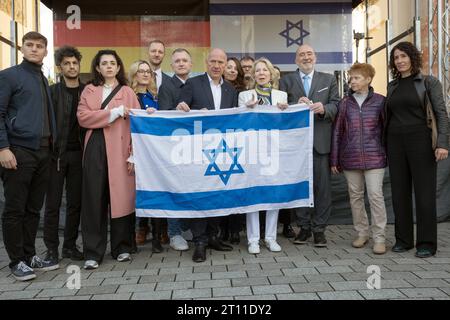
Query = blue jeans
x=175 y=226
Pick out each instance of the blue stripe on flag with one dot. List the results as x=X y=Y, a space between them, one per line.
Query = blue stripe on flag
x=221 y=123
x=242 y=9
x=211 y=200
x=289 y=57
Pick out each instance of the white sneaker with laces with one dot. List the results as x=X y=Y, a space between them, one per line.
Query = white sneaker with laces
x=124 y=257
x=90 y=265
x=178 y=243
x=272 y=245
x=253 y=248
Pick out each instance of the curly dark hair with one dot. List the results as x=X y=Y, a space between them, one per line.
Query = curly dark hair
x=414 y=55
x=239 y=83
x=66 y=51
x=97 y=78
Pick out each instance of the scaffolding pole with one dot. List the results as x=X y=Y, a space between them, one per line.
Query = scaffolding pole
x=439 y=44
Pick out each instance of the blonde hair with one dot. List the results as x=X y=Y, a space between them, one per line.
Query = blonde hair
x=151 y=87
x=274 y=74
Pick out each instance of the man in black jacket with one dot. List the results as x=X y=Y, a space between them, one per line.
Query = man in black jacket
x=66 y=160
x=27 y=136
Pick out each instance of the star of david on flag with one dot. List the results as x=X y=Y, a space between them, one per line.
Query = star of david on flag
x=214 y=169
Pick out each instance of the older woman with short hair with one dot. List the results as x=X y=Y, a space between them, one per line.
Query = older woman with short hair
x=357 y=149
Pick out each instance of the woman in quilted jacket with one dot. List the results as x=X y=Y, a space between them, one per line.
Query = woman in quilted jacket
x=358 y=151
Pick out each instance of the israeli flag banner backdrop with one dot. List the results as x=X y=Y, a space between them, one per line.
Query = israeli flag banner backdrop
x=216 y=163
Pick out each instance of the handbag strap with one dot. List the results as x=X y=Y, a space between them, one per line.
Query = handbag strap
x=110 y=96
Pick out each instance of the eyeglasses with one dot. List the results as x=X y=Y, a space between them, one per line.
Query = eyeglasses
x=144 y=71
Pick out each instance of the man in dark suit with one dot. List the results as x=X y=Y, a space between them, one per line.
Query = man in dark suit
x=156 y=52
x=170 y=90
x=208 y=91
x=318 y=90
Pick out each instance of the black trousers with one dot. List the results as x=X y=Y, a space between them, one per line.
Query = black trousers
x=70 y=170
x=95 y=202
x=24 y=191
x=204 y=228
x=317 y=218
x=231 y=224
x=412 y=164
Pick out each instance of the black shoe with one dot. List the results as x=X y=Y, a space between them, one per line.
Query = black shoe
x=52 y=255
x=22 y=272
x=319 y=239
x=302 y=236
x=156 y=246
x=42 y=264
x=72 y=254
x=235 y=238
x=218 y=245
x=400 y=248
x=424 y=253
x=288 y=232
x=224 y=236
x=199 y=253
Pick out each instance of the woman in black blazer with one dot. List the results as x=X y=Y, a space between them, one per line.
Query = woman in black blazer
x=411 y=154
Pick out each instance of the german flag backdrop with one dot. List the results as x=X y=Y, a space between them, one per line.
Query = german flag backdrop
x=129 y=26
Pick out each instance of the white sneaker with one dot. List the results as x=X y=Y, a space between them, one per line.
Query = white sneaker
x=253 y=248
x=90 y=264
x=124 y=257
x=272 y=245
x=178 y=243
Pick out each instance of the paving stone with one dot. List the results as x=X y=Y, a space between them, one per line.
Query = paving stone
x=404 y=267
x=153 y=279
x=229 y=275
x=56 y=293
x=298 y=296
x=124 y=280
x=311 y=287
x=182 y=270
x=14 y=286
x=327 y=277
x=286 y=280
x=299 y=271
x=277 y=265
x=262 y=297
x=110 y=274
x=398 y=275
x=223 y=283
x=238 y=291
x=175 y=285
x=72 y=298
x=15 y=295
x=344 y=262
x=382 y=294
x=244 y=267
x=117 y=296
x=211 y=269
x=259 y=260
x=311 y=264
x=272 y=289
x=340 y=295
x=421 y=292
x=265 y=273
x=242 y=282
x=84 y=291
x=192 y=276
x=338 y=269
x=227 y=262
x=145 y=287
x=155 y=295
x=432 y=274
x=141 y=272
x=46 y=285
x=192 y=293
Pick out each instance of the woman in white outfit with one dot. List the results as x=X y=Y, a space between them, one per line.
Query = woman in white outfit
x=264 y=93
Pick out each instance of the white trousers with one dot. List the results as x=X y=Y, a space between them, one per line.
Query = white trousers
x=253 y=225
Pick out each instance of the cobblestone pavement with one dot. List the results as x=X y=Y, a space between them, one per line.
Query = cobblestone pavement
x=298 y=272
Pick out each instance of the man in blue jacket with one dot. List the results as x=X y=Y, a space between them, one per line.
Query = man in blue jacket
x=27 y=135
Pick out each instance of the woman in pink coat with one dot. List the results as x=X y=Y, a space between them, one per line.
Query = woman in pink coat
x=108 y=178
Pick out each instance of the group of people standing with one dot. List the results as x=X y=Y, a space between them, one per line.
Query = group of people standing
x=79 y=135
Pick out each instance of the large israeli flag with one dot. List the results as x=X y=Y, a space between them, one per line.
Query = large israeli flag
x=215 y=163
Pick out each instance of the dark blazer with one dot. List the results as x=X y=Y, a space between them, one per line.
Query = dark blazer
x=169 y=93
x=165 y=78
x=196 y=93
x=323 y=89
x=434 y=88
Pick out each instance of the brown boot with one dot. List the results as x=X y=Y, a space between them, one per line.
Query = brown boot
x=141 y=236
x=360 y=242
x=379 y=248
